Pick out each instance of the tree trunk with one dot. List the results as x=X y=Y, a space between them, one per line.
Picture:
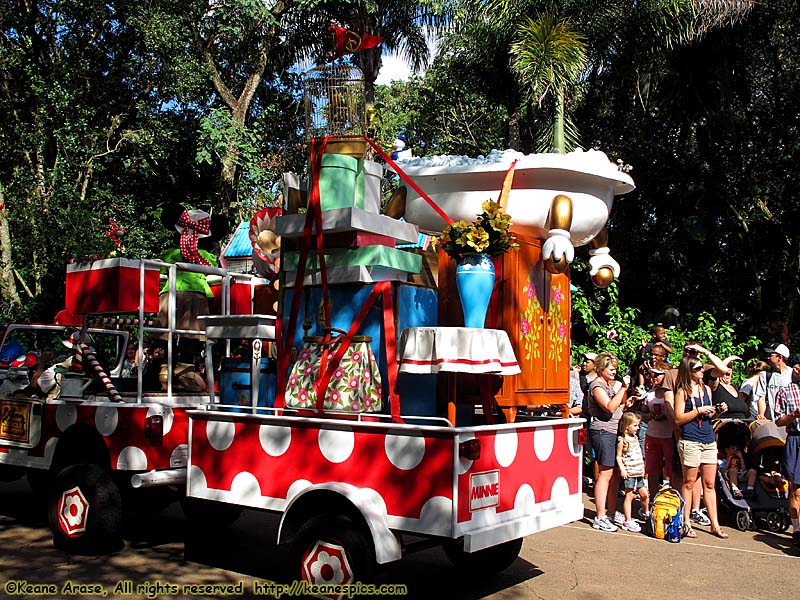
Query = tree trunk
x=8 y=286
x=239 y=109
x=514 y=118
x=370 y=62
x=558 y=125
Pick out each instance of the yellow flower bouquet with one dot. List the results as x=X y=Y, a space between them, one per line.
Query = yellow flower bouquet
x=488 y=234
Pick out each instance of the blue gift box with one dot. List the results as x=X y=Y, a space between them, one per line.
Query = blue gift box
x=414 y=306
x=235 y=383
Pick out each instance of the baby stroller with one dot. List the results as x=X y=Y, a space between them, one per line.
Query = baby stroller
x=761 y=442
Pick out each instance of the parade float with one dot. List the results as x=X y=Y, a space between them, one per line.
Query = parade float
x=366 y=413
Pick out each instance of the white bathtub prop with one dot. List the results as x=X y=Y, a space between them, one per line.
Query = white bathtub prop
x=460 y=185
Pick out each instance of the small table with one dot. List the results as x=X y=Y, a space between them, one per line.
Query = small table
x=426 y=350
x=258 y=328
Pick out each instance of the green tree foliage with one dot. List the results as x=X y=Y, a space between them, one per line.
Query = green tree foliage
x=240 y=41
x=476 y=51
x=440 y=114
x=104 y=106
x=603 y=325
x=714 y=144
x=74 y=87
x=548 y=57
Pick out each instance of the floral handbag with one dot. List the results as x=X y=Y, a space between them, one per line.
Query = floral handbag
x=355 y=383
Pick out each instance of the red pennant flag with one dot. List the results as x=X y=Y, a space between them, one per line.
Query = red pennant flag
x=347 y=41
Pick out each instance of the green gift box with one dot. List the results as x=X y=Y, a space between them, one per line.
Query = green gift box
x=346 y=182
x=368 y=256
x=368 y=186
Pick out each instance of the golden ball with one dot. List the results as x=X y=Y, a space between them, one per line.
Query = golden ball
x=556 y=267
x=603 y=277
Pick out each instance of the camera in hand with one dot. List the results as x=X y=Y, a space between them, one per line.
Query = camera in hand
x=718 y=407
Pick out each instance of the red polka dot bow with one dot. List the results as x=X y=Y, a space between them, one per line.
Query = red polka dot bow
x=189 y=236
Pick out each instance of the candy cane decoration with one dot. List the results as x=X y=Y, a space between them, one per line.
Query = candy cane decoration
x=89 y=354
x=77 y=359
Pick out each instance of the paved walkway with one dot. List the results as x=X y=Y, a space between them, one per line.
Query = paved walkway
x=574 y=562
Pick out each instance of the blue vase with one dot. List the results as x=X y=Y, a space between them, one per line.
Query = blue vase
x=475 y=281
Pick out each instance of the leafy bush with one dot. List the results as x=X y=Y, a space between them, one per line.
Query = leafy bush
x=613 y=328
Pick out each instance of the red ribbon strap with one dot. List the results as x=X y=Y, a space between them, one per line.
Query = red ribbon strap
x=313 y=222
x=408 y=180
x=327 y=367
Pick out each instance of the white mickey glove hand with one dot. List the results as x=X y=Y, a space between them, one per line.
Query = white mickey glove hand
x=558 y=245
x=600 y=258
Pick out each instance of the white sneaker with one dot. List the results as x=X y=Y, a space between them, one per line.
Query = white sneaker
x=644 y=514
x=619 y=518
x=603 y=524
x=699 y=517
x=632 y=526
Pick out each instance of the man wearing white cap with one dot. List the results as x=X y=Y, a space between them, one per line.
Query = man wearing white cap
x=771 y=381
x=787 y=414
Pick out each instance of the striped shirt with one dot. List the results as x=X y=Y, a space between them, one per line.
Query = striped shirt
x=632 y=458
x=787 y=400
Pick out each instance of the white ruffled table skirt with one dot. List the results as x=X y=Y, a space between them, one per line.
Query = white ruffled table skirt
x=456 y=350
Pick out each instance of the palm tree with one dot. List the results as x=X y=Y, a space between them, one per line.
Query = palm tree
x=403 y=25
x=614 y=34
x=548 y=57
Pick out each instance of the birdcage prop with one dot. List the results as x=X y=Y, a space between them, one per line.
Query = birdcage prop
x=335 y=103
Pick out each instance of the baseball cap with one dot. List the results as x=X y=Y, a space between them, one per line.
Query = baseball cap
x=779 y=349
x=592 y=356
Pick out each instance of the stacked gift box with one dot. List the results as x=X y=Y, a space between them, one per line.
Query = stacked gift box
x=359 y=242
x=110 y=286
x=360 y=248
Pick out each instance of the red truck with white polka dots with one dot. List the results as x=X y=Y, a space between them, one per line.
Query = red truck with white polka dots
x=104 y=440
x=354 y=491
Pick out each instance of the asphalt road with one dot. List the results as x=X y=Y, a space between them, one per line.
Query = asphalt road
x=573 y=561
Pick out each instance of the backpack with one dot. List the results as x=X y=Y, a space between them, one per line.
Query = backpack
x=666 y=515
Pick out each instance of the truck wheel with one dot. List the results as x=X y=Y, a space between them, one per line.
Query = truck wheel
x=85 y=511
x=208 y=514
x=333 y=550
x=41 y=484
x=488 y=561
x=786 y=522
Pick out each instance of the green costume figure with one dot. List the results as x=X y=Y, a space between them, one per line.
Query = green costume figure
x=192 y=290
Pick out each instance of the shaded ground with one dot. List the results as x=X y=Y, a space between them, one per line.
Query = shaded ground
x=570 y=562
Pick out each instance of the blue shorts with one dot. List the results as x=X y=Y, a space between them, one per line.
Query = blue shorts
x=634 y=483
x=604 y=445
x=791 y=459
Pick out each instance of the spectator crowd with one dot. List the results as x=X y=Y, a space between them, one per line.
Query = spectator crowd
x=653 y=427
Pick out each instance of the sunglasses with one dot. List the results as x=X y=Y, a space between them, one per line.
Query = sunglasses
x=656 y=354
x=697 y=368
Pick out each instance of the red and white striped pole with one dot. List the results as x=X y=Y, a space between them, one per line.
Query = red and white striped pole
x=89 y=354
x=77 y=359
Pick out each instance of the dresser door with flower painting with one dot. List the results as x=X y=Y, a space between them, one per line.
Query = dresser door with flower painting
x=536 y=315
x=533 y=307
